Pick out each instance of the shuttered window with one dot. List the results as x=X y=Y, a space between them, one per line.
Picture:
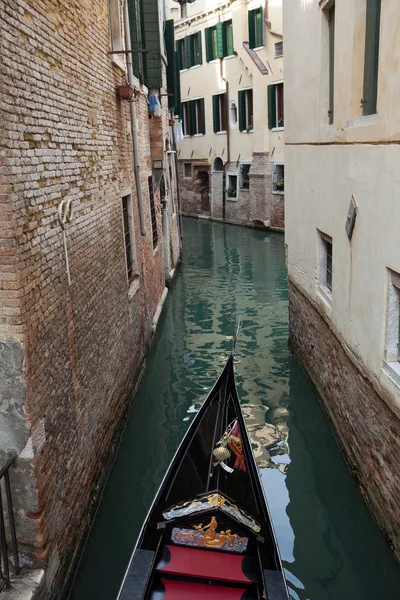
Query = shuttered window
x=173 y=77
x=276 y=117
x=246 y=110
x=194 y=117
x=189 y=51
x=145 y=35
x=220 y=113
x=219 y=41
x=278 y=49
x=228 y=35
x=371 y=59
x=256 y=27
x=331 y=24
x=278 y=179
x=153 y=215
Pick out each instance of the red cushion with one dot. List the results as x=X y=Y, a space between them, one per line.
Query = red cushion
x=180 y=590
x=205 y=563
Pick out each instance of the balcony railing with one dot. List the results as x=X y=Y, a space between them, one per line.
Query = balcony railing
x=9 y=516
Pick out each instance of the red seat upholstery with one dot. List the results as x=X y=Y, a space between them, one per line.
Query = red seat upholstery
x=180 y=590
x=219 y=566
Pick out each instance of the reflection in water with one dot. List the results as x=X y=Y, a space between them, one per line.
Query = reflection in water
x=331 y=547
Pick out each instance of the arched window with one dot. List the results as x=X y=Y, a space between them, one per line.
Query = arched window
x=218 y=164
x=233 y=114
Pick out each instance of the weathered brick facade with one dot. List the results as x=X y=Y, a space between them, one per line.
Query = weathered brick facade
x=362 y=420
x=69 y=354
x=258 y=205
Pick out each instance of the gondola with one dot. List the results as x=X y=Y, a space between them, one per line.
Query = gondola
x=208 y=534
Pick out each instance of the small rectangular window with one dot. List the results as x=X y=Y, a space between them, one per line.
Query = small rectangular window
x=256 y=28
x=276 y=116
x=220 y=113
x=129 y=237
x=153 y=214
x=246 y=110
x=371 y=57
x=193 y=121
x=244 y=176
x=187 y=170
x=278 y=49
x=278 y=180
x=326 y=266
x=232 y=184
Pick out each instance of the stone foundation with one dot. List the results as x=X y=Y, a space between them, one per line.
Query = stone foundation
x=366 y=428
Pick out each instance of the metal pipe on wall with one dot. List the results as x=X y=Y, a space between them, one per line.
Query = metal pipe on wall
x=129 y=69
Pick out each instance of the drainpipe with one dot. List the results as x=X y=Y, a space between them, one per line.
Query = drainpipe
x=129 y=69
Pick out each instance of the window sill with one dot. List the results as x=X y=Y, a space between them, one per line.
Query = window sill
x=214 y=60
x=118 y=62
x=194 y=67
x=231 y=199
x=198 y=135
x=186 y=136
x=363 y=121
x=246 y=132
x=258 y=48
x=278 y=129
x=278 y=192
x=220 y=132
x=244 y=190
x=392 y=370
x=133 y=288
x=183 y=70
x=326 y=295
x=230 y=56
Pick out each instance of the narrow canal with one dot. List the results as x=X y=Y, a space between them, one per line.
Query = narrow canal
x=330 y=545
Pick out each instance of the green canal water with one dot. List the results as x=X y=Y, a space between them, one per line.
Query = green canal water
x=330 y=545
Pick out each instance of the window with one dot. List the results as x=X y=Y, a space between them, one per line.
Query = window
x=392 y=344
x=278 y=49
x=256 y=28
x=116 y=31
x=371 y=57
x=129 y=237
x=189 y=51
x=153 y=215
x=326 y=266
x=244 y=176
x=231 y=186
x=187 y=170
x=218 y=164
x=276 y=116
x=219 y=113
x=194 y=117
x=233 y=114
x=219 y=40
x=278 y=179
x=331 y=26
x=183 y=9
x=246 y=110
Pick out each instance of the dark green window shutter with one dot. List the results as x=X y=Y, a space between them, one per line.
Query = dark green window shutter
x=216 y=119
x=198 y=57
x=259 y=27
x=190 y=50
x=179 y=54
x=331 y=62
x=242 y=110
x=220 y=40
x=136 y=30
x=169 y=37
x=192 y=117
x=252 y=28
x=151 y=28
x=371 y=60
x=229 y=50
x=271 y=106
x=209 y=44
x=203 y=116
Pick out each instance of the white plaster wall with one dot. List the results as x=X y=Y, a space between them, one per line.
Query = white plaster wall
x=325 y=166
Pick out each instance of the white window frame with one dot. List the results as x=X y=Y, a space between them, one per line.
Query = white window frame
x=233 y=106
x=228 y=176
x=244 y=162
x=278 y=127
x=323 y=288
x=392 y=337
x=275 y=178
x=117 y=40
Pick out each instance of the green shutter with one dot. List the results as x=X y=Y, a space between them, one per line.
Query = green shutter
x=192 y=118
x=179 y=54
x=271 y=106
x=252 y=28
x=220 y=40
x=169 y=37
x=203 y=116
x=151 y=30
x=331 y=62
x=209 y=46
x=242 y=110
x=190 y=51
x=371 y=59
x=259 y=27
x=229 y=38
x=198 y=59
x=216 y=119
x=136 y=30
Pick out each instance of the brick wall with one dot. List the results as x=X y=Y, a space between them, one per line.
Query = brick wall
x=192 y=189
x=71 y=353
x=368 y=431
